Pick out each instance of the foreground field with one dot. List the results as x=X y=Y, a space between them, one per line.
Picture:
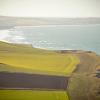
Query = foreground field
x=26 y=58
x=32 y=95
x=16 y=59
x=76 y=70
x=32 y=81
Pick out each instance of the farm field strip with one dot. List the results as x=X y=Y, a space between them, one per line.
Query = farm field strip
x=22 y=80
x=51 y=64
x=32 y=95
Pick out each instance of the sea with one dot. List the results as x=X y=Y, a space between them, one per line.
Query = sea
x=56 y=37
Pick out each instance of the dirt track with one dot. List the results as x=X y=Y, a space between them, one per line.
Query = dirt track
x=83 y=83
x=31 y=81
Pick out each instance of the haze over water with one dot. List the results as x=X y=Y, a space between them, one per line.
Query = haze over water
x=84 y=37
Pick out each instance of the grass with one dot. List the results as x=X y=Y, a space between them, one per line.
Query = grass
x=34 y=60
x=32 y=95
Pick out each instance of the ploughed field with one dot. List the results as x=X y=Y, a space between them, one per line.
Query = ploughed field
x=32 y=81
x=28 y=73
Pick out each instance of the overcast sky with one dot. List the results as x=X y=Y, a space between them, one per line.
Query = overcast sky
x=50 y=8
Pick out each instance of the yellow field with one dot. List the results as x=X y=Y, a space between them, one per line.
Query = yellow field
x=37 y=60
x=32 y=95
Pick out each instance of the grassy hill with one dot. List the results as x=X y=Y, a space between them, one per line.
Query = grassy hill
x=25 y=58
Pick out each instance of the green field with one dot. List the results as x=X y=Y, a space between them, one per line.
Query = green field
x=36 y=60
x=32 y=95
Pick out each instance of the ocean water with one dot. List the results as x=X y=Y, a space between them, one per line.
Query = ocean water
x=56 y=37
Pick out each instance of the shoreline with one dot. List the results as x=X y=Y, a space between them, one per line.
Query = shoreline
x=56 y=50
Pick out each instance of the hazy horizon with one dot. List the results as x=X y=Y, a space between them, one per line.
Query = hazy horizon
x=50 y=8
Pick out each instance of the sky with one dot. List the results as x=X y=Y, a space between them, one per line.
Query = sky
x=50 y=8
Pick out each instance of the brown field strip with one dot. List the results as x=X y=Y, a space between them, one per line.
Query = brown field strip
x=32 y=81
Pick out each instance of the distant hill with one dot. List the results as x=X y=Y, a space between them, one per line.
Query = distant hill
x=9 y=22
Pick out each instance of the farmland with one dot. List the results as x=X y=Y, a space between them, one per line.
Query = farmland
x=36 y=60
x=26 y=65
x=28 y=73
x=32 y=95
